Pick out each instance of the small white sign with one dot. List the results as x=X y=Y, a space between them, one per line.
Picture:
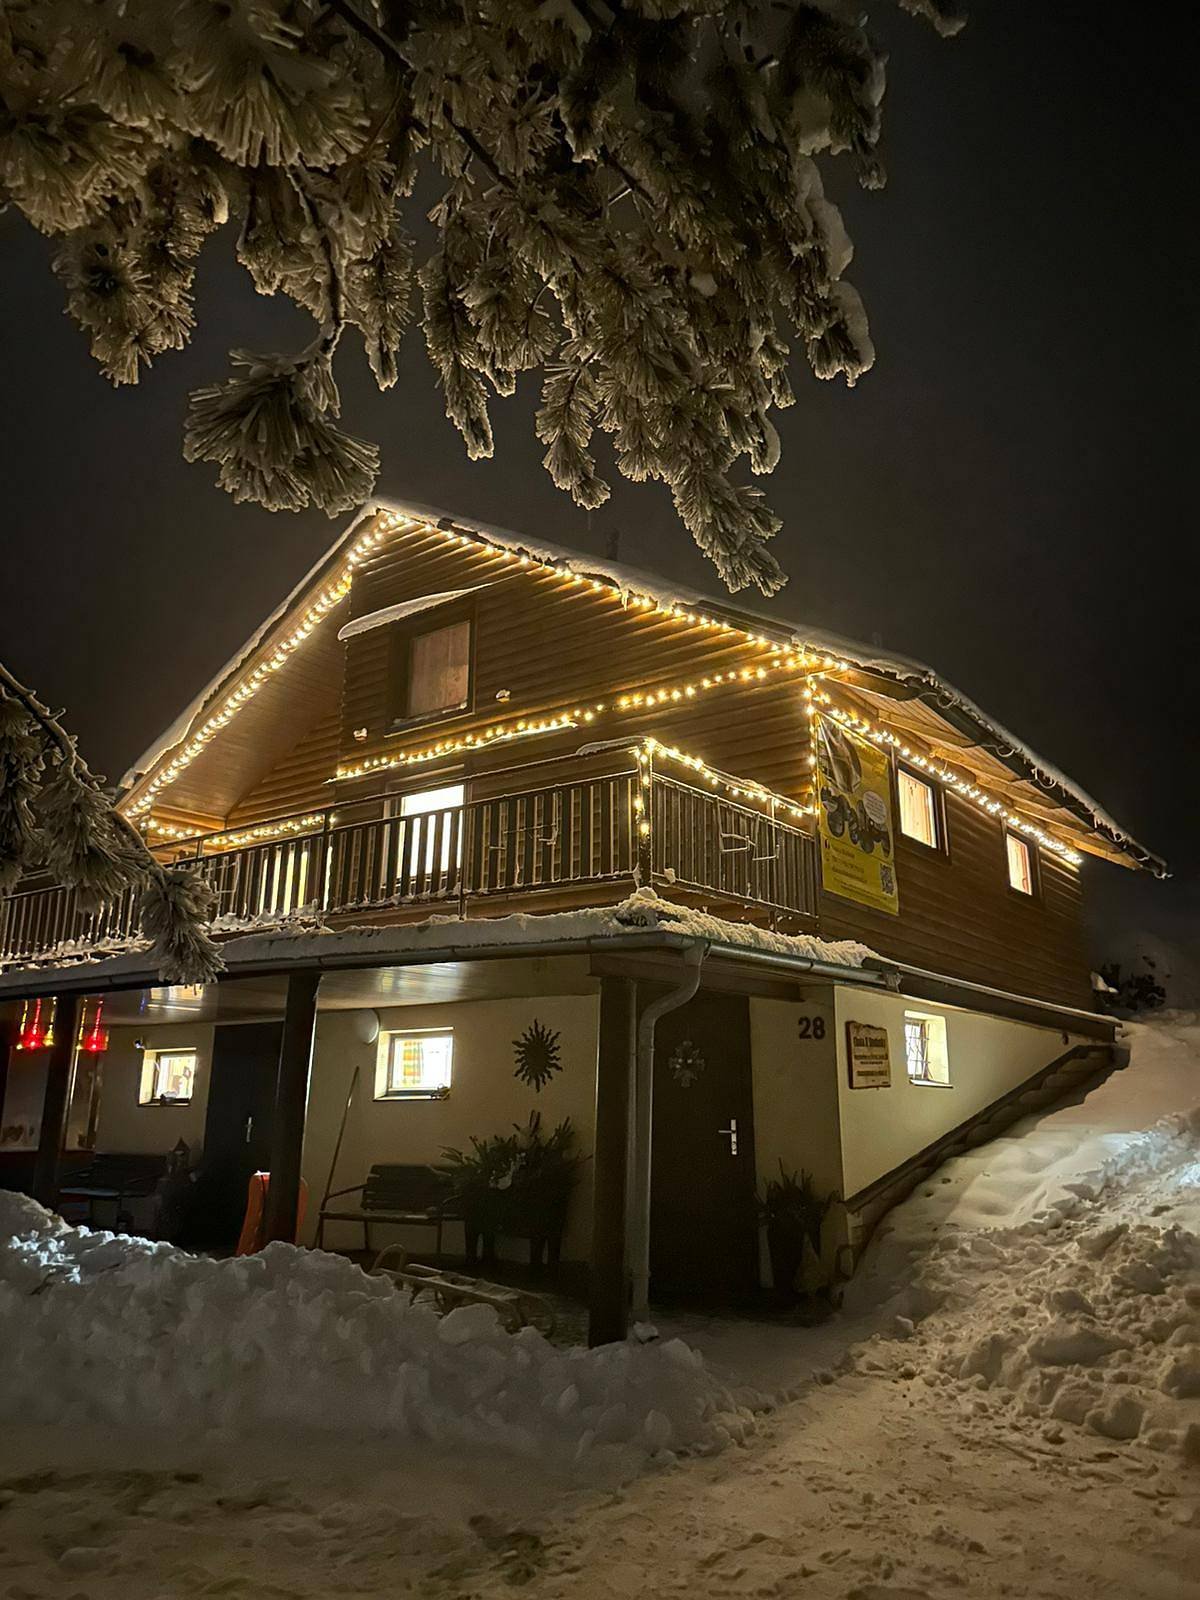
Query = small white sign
x=869 y=1056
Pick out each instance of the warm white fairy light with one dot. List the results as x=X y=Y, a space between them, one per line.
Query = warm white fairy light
x=935 y=769
x=260 y=834
x=737 y=788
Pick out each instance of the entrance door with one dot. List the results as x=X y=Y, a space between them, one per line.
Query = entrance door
x=703 y=1229
x=237 y=1127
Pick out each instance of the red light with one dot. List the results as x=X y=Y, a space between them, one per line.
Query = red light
x=35 y=1032
x=95 y=1040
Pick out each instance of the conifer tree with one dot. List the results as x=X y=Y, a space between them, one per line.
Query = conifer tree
x=630 y=204
x=56 y=818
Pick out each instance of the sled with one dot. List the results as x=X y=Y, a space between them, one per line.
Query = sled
x=516 y=1308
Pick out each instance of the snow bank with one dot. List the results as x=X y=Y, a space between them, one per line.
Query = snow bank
x=1056 y=1272
x=105 y=1328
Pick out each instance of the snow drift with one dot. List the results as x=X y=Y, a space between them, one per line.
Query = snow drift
x=1055 y=1273
x=102 y=1327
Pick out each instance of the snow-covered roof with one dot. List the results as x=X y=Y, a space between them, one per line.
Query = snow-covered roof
x=406 y=608
x=950 y=703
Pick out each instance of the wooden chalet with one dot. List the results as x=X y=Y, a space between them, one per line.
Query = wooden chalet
x=449 y=719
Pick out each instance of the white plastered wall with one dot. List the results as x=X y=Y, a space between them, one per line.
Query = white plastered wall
x=485 y=1098
x=794 y=1056
x=988 y=1056
x=127 y=1128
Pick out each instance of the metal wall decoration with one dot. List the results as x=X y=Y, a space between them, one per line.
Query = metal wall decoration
x=686 y=1064
x=537 y=1056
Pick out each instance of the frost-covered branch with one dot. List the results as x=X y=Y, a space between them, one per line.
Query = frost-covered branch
x=631 y=191
x=55 y=818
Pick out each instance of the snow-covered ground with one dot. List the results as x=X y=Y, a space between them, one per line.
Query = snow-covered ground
x=1010 y=1405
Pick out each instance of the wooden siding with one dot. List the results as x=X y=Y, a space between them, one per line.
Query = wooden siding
x=551 y=644
x=298 y=782
x=958 y=915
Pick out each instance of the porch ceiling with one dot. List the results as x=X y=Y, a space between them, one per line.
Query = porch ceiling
x=261 y=999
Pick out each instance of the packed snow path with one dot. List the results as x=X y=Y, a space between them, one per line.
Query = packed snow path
x=1010 y=1407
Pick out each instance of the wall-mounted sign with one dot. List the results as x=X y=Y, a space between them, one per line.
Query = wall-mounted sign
x=854 y=817
x=868 y=1055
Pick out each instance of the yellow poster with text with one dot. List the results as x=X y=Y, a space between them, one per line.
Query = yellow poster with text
x=854 y=818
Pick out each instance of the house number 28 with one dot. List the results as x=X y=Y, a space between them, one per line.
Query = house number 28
x=812 y=1027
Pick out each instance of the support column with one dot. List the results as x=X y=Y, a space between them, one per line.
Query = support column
x=608 y=1278
x=291 y=1105
x=56 y=1103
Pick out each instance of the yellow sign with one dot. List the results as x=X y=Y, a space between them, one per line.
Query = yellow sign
x=854 y=818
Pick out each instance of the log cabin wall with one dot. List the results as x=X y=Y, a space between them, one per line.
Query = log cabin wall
x=550 y=644
x=958 y=915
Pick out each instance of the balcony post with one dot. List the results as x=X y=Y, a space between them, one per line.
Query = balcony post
x=608 y=1277
x=56 y=1102
x=291 y=1105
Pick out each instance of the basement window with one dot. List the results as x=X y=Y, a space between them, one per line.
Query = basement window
x=1020 y=864
x=925 y=1052
x=415 y=1065
x=919 y=812
x=168 y=1077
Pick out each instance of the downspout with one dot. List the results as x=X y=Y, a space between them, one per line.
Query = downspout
x=643 y=1122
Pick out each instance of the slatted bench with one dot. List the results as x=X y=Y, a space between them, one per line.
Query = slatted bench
x=114 y=1178
x=408 y=1196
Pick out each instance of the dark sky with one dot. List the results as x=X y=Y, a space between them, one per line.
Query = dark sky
x=1008 y=495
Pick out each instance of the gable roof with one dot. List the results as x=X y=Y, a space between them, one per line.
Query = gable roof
x=242 y=689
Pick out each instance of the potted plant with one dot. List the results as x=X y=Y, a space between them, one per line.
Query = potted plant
x=477 y=1182
x=793 y=1214
x=546 y=1171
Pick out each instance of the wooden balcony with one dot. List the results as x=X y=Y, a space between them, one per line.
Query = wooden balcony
x=584 y=840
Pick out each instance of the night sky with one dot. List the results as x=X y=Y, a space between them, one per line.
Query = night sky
x=1009 y=495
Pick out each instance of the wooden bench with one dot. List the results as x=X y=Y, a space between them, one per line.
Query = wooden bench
x=405 y=1196
x=113 y=1178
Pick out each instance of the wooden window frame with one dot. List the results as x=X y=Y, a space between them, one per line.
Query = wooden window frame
x=383 y=1067
x=1033 y=855
x=399 y=665
x=153 y=1052
x=940 y=820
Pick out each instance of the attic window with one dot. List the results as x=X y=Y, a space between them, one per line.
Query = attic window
x=1020 y=864
x=431 y=670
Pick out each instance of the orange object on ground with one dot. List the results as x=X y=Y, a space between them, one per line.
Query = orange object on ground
x=252 y=1238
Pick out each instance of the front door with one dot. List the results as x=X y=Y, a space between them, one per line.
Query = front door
x=237 y=1127
x=703 y=1228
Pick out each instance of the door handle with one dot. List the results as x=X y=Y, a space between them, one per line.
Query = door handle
x=731 y=1134
x=249 y=1128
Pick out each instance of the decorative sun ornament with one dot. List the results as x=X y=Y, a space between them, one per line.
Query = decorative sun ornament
x=686 y=1063
x=537 y=1056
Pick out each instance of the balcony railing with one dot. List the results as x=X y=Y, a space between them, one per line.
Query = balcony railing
x=565 y=837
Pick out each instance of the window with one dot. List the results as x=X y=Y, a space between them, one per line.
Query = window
x=918 y=809
x=168 y=1077
x=437 y=671
x=414 y=1066
x=1020 y=864
x=925 y=1052
x=424 y=805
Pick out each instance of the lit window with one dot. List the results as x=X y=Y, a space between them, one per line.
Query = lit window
x=439 y=670
x=918 y=808
x=1020 y=864
x=168 y=1077
x=925 y=1052
x=423 y=809
x=414 y=1066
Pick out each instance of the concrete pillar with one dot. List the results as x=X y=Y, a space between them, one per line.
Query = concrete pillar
x=608 y=1279
x=291 y=1105
x=56 y=1104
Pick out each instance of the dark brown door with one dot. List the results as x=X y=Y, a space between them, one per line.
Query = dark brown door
x=703 y=1231
x=237 y=1127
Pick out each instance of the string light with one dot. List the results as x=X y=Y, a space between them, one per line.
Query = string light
x=965 y=787
x=737 y=788
x=782 y=656
x=260 y=834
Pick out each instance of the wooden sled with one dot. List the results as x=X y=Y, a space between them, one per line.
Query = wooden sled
x=516 y=1308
